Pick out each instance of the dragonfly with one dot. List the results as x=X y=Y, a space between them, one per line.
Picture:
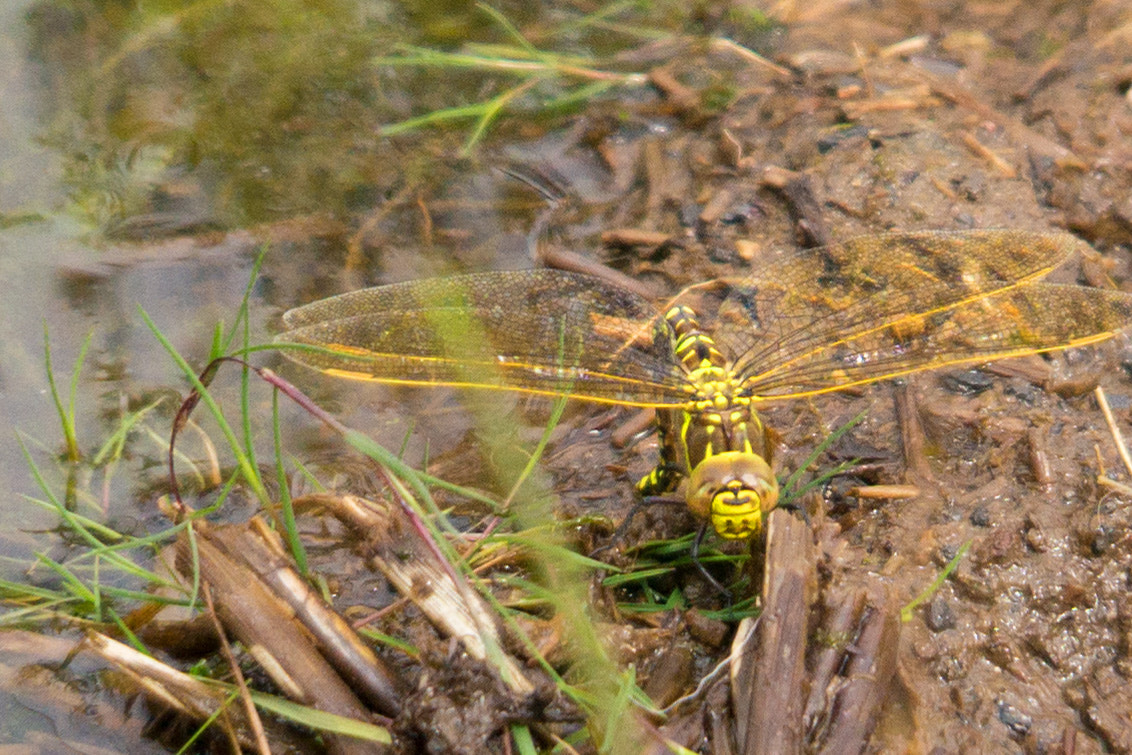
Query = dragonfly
x=801 y=323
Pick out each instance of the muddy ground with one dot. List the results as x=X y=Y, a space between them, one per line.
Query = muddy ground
x=864 y=119
x=909 y=116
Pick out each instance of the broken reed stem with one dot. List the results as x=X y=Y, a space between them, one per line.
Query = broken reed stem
x=1117 y=436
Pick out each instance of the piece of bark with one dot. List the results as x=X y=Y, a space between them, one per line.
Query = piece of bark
x=843 y=613
x=867 y=678
x=768 y=677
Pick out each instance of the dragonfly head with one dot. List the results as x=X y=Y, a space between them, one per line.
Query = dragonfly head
x=735 y=490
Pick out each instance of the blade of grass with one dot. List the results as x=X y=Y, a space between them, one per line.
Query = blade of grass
x=70 y=519
x=24 y=590
x=66 y=413
x=674 y=602
x=390 y=641
x=187 y=747
x=132 y=639
x=40 y=613
x=599 y=16
x=73 y=393
x=548 y=549
x=71 y=583
x=242 y=322
x=577 y=96
x=788 y=486
x=508 y=28
x=497 y=59
x=539 y=449
x=492 y=110
x=162 y=442
x=290 y=526
x=907 y=611
x=443 y=115
x=820 y=480
x=321 y=720
x=111 y=449
x=618 y=711
x=242 y=325
x=518 y=64
x=522 y=739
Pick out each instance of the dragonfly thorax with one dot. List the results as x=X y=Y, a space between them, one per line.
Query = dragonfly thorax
x=718 y=441
x=730 y=481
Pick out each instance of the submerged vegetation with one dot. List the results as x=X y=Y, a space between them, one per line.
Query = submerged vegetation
x=219 y=114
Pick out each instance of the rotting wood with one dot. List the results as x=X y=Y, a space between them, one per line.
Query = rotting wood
x=768 y=675
x=856 y=703
x=843 y=612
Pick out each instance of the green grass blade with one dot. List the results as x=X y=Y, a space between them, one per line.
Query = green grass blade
x=788 y=487
x=111 y=449
x=492 y=110
x=298 y=552
x=72 y=396
x=321 y=720
x=907 y=611
x=509 y=29
x=66 y=413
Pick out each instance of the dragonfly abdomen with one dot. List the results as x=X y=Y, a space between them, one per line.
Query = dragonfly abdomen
x=693 y=348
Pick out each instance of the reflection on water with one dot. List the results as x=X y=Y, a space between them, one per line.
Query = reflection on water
x=175 y=117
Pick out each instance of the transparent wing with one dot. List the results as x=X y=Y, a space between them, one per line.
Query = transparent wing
x=1015 y=322
x=874 y=307
x=536 y=331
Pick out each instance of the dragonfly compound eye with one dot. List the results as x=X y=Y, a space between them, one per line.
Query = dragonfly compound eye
x=735 y=490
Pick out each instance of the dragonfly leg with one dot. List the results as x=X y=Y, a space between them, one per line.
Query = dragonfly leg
x=619 y=533
x=694 y=552
x=665 y=476
x=662 y=479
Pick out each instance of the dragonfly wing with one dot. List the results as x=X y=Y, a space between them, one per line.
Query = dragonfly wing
x=1017 y=321
x=805 y=314
x=536 y=331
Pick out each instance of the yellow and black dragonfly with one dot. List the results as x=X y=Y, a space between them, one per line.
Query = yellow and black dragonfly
x=801 y=324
